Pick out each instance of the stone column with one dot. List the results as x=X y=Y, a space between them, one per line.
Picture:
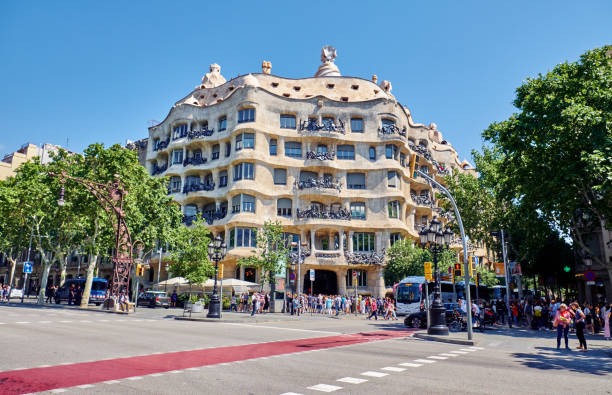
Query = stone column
x=330 y=240
x=341 y=273
x=217 y=205
x=350 y=241
x=379 y=291
x=312 y=240
x=341 y=240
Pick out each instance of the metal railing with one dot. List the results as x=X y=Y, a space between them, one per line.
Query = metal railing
x=341 y=214
x=319 y=183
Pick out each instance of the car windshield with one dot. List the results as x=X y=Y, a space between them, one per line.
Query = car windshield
x=98 y=286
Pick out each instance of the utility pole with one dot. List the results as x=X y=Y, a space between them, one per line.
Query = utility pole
x=506 y=268
x=25 y=280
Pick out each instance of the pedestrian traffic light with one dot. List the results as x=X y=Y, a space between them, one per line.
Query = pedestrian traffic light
x=477 y=279
x=413 y=160
x=139 y=270
x=220 y=271
x=471 y=266
x=567 y=269
x=458 y=272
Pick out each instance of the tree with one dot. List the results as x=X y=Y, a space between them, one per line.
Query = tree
x=190 y=252
x=404 y=258
x=556 y=151
x=271 y=256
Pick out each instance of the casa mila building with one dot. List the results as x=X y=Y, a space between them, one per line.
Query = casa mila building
x=327 y=156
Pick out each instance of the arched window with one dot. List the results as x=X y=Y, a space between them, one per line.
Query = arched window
x=372 y=153
x=246 y=115
x=283 y=207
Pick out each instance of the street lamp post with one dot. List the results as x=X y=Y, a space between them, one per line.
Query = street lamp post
x=216 y=252
x=437 y=241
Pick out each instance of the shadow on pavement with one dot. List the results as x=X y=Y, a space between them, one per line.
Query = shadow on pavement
x=549 y=358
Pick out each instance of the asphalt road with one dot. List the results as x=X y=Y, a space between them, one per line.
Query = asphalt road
x=150 y=352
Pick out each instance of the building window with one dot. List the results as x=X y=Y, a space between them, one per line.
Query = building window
x=248 y=203
x=245 y=140
x=273 y=147
x=358 y=210
x=328 y=122
x=357 y=125
x=355 y=181
x=222 y=123
x=391 y=151
x=236 y=204
x=402 y=159
x=175 y=184
x=283 y=207
x=393 y=237
x=392 y=179
x=228 y=149
x=287 y=121
x=243 y=237
x=179 y=131
x=346 y=151
x=246 y=115
x=215 y=151
x=223 y=178
x=363 y=242
x=177 y=156
x=250 y=274
x=191 y=210
x=293 y=149
x=372 y=153
x=244 y=171
x=321 y=149
x=238 y=145
x=394 y=209
x=388 y=122
x=362 y=278
x=280 y=176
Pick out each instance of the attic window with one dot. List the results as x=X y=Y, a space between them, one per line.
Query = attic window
x=215 y=95
x=286 y=94
x=307 y=95
x=231 y=88
x=219 y=100
x=201 y=96
x=274 y=84
x=344 y=98
x=297 y=88
x=354 y=87
x=376 y=91
x=330 y=86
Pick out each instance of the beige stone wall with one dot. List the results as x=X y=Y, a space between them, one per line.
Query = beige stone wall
x=314 y=99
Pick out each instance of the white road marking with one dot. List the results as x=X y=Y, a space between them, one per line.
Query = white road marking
x=286 y=329
x=66 y=321
x=135 y=378
x=85 y=386
x=23 y=322
x=436 y=357
x=477 y=348
x=424 y=361
x=85 y=321
x=449 y=355
x=374 y=374
x=44 y=322
x=467 y=349
x=156 y=374
x=325 y=388
x=112 y=382
x=458 y=352
x=291 y=393
x=58 y=391
x=352 y=380
x=393 y=369
x=193 y=369
x=410 y=364
x=43 y=366
x=2 y=323
x=175 y=371
x=102 y=320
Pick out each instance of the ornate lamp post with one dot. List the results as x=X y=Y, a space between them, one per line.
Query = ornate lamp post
x=216 y=252
x=437 y=241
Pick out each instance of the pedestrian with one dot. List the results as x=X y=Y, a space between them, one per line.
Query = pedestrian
x=562 y=322
x=233 y=306
x=50 y=294
x=580 y=326
x=254 y=303
x=71 y=292
x=374 y=309
x=607 y=321
x=173 y=298
x=588 y=313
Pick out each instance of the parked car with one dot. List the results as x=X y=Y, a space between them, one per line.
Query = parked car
x=419 y=319
x=96 y=294
x=154 y=299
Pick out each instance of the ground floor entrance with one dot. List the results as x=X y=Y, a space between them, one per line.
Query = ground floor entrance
x=326 y=283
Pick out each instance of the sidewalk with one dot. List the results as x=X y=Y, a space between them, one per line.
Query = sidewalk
x=234 y=317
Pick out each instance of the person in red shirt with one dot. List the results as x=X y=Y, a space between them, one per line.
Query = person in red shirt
x=562 y=321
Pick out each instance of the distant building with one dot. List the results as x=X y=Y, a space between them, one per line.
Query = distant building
x=140 y=146
x=11 y=161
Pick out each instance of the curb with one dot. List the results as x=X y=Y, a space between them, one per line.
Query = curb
x=425 y=336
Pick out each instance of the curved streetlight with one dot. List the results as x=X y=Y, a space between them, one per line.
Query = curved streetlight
x=216 y=252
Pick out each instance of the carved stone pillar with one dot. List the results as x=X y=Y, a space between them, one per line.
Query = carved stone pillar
x=341 y=240
x=341 y=281
x=312 y=240
x=380 y=283
x=330 y=241
x=350 y=241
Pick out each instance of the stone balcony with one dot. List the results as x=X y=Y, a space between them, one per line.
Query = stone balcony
x=314 y=213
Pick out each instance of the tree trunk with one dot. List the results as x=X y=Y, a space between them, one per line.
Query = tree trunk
x=272 y=292
x=13 y=266
x=90 y=272
x=43 y=282
x=63 y=269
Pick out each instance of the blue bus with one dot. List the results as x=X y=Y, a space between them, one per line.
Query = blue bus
x=97 y=294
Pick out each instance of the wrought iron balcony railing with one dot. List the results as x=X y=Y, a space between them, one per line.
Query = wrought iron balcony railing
x=419 y=149
x=161 y=144
x=391 y=129
x=327 y=255
x=365 y=258
x=198 y=187
x=422 y=200
x=342 y=214
x=194 y=161
x=311 y=125
x=211 y=217
x=198 y=134
x=159 y=169
x=319 y=183
x=331 y=155
x=293 y=256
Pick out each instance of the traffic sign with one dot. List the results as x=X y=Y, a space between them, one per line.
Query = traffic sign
x=354 y=274
x=27 y=267
x=590 y=283
x=312 y=275
x=589 y=275
x=499 y=269
x=292 y=277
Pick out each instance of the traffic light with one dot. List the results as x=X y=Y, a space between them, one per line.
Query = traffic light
x=139 y=270
x=413 y=160
x=477 y=279
x=458 y=272
x=220 y=274
x=471 y=265
x=567 y=269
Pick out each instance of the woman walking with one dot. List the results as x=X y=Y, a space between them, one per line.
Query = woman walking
x=607 y=321
x=579 y=320
x=562 y=322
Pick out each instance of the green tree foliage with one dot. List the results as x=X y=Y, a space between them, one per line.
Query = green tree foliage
x=189 y=256
x=405 y=258
x=271 y=256
x=556 y=151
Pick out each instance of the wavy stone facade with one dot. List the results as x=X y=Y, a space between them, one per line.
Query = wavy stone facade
x=328 y=157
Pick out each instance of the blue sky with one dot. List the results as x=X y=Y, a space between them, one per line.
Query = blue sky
x=78 y=72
